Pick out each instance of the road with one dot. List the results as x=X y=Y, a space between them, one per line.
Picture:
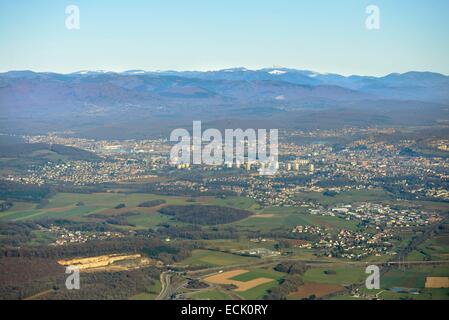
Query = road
x=170 y=287
x=164 y=279
x=170 y=284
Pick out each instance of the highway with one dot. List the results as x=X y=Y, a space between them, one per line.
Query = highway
x=170 y=287
x=170 y=284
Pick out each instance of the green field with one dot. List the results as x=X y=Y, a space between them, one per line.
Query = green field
x=64 y=205
x=210 y=295
x=273 y=218
x=233 y=202
x=256 y=273
x=45 y=213
x=42 y=238
x=260 y=291
x=237 y=244
x=412 y=277
x=16 y=208
x=434 y=248
x=409 y=278
x=79 y=206
x=342 y=276
x=146 y=221
x=151 y=293
x=425 y=294
x=352 y=196
x=109 y=200
x=216 y=259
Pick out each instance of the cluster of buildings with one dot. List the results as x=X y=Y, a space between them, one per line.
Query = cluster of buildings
x=104 y=147
x=379 y=215
x=439 y=193
x=310 y=230
x=353 y=245
x=316 y=166
x=259 y=252
x=66 y=237
x=442 y=145
x=286 y=166
x=87 y=172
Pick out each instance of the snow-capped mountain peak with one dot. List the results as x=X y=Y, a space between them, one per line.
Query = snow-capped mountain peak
x=277 y=72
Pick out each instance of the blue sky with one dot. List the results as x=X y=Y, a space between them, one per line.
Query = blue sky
x=324 y=36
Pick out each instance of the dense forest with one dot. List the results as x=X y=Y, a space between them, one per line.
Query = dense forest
x=286 y=286
x=155 y=248
x=205 y=215
x=40 y=278
x=151 y=203
x=23 y=192
x=5 y=206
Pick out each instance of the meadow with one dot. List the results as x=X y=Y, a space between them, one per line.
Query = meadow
x=260 y=291
x=151 y=292
x=81 y=207
x=353 y=196
x=282 y=217
x=250 y=283
x=75 y=205
x=407 y=278
x=211 y=295
x=211 y=258
x=341 y=275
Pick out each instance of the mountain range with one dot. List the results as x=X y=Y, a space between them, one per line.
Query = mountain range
x=105 y=98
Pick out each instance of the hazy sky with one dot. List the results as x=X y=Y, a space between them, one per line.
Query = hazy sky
x=320 y=35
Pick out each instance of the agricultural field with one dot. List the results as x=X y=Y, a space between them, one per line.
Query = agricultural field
x=250 y=284
x=109 y=200
x=412 y=277
x=84 y=207
x=261 y=290
x=61 y=212
x=374 y=195
x=250 y=281
x=275 y=218
x=147 y=220
x=75 y=206
x=434 y=248
x=237 y=244
x=437 y=282
x=215 y=259
x=233 y=202
x=41 y=238
x=210 y=295
x=151 y=292
x=16 y=208
x=405 y=283
x=341 y=275
x=318 y=290
x=425 y=294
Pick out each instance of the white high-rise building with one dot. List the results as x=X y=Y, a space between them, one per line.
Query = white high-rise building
x=296 y=165
x=311 y=168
